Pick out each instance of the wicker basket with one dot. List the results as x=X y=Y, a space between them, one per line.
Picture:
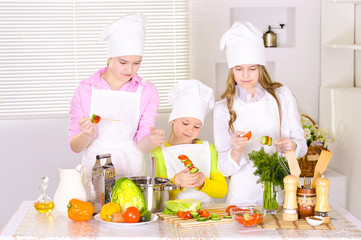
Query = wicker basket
x=308 y=162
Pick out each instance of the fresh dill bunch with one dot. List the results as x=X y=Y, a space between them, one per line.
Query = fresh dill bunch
x=268 y=167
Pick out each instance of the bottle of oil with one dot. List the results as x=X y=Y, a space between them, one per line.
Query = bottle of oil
x=44 y=204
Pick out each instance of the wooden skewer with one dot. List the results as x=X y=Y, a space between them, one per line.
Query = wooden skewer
x=109 y=119
x=256 y=138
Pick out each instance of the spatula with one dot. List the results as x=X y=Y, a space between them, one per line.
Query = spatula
x=321 y=165
x=293 y=164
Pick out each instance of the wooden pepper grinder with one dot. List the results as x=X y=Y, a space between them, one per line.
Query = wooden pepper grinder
x=322 y=207
x=290 y=203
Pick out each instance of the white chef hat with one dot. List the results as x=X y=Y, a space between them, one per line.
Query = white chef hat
x=244 y=45
x=125 y=36
x=190 y=98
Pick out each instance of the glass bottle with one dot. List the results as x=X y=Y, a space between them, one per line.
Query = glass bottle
x=270 y=203
x=44 y=204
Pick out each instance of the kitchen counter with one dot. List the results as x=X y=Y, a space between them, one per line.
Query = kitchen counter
x=26 y=223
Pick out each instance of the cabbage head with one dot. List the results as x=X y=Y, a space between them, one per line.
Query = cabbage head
x=126 y=194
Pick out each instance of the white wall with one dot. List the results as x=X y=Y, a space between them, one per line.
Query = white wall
x=33 y=148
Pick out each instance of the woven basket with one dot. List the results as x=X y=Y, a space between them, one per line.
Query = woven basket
x=308 y=162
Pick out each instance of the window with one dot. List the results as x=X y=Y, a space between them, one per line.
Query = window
x=48 y=47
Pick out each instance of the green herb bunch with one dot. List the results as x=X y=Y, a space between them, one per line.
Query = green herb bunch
x=268 y=167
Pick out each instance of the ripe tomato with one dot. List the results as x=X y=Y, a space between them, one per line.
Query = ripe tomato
x=181 y=214
x=131 y=215
x=228 y=210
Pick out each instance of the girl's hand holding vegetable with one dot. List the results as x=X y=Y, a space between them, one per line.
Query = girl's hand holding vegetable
x=157 y=136
x=189 y=180
x=87 y=127
x=285 y=144
x=238 y=143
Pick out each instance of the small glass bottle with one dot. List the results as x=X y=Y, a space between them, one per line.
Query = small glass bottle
x=44 y=204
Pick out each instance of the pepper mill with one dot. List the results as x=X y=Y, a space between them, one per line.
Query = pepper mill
x=290 y=202
x=322 y=207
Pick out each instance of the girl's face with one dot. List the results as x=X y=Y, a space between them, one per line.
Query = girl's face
x=246 y=76
x=125 y=67
x=185 y=130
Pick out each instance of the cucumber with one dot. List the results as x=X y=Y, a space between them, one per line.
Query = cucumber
x=184 y=160
x=194 y=214
x=146 y=216
x=269 y=142
x=194 y=170
x=263 y=140
x=227 y=217
x=202 y=219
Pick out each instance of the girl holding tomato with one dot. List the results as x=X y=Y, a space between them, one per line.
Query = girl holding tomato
x=251 y=102
x=117 y=92
x=191 y=101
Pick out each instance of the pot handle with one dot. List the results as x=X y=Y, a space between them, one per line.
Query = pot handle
x=170 y=186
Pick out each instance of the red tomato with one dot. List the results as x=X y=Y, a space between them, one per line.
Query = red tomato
x=203 y=213
x=248 y=135
x=188 y=214
x=228 y=210
x=131 y=215
x=181 y=214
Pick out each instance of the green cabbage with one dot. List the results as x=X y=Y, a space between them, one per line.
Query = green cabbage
x=183 y=205
x=126 y=194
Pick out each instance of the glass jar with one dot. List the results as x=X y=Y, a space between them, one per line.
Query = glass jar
x=270 y=196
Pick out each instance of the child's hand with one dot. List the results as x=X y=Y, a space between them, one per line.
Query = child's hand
x=156 y=136
x=185 y=179
x=199 y=181
x=285 y=144
x=87 y=127
x=239 y=142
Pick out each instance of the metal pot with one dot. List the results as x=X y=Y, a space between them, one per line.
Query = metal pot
x=154 y=190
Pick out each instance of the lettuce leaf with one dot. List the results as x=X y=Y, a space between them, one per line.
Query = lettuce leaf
x=183 y=205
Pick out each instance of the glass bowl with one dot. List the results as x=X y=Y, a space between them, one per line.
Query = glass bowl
x=247 y=216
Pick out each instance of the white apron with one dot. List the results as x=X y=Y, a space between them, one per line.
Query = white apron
x=116 y=137
x=200 y=155
x=262 y=118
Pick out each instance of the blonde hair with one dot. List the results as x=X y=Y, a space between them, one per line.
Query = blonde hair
x=264 y=80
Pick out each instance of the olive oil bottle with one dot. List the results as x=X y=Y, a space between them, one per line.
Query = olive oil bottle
x=44 y=204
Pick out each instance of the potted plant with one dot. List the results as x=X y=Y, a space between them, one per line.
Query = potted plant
x=271 y=174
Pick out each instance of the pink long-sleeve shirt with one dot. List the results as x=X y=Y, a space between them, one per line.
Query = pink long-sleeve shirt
x=80 y=103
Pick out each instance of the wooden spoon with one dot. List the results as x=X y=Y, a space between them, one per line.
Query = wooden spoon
x=321 y=165
x=293 y=164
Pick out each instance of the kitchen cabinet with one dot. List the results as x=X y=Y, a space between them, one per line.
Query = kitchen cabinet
x=340 y=89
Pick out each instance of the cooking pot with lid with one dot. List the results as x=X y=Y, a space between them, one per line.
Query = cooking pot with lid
x=154 y=191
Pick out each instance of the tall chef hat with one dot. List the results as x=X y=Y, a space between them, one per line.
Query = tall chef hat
x=125 y=36
x=190 y=98
x=244 y=45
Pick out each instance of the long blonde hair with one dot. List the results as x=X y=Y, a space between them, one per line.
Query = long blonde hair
x=264 y=80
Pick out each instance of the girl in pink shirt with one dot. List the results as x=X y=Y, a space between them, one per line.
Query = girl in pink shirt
x=117 y=92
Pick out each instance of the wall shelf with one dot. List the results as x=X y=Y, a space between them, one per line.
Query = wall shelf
x=343 y=46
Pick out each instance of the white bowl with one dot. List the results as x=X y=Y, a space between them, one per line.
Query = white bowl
x=315 y=222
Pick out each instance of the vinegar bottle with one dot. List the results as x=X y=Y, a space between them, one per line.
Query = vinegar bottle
x=44 y=204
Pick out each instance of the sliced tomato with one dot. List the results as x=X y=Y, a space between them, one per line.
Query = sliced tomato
x=228 y=210
x=181 y=214
x=182 y=157
x=203 y=213
x=191 y=167
x=248 y=135
x=188 y=214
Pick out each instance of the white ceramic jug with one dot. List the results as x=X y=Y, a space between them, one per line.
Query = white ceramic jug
x=71 y=185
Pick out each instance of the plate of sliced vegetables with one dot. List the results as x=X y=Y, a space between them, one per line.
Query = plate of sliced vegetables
x=153 y=218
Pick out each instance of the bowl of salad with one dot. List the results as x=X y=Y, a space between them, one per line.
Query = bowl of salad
x=247 y=216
